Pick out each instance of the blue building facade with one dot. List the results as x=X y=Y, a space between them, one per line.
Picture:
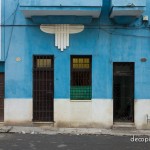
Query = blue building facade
x=59 y=37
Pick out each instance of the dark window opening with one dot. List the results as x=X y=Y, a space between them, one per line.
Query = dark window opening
x=81 y=78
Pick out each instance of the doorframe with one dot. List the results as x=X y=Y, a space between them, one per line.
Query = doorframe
x=53 y=58
x=133 y=93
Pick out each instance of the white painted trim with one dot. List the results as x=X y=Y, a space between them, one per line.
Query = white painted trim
x=97 y=99
x=135 y=13
x=142 y=109
x=80 y=100
x=142 y=100
x=94 y=113
x=18 y=110
x=30 y=13
x=63 y=99
x=20 y=99
x=62 y=32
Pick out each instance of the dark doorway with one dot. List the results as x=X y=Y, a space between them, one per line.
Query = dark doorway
x=1 y=97
x=123 y=92
x=43 y=88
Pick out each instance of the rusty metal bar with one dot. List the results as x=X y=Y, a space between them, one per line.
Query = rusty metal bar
x=81 y=78
x=43 y=88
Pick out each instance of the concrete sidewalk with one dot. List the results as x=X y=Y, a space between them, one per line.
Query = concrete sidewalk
x=75 y=131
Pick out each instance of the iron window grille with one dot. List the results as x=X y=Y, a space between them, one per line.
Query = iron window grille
x=43 y=88
x=81 y=78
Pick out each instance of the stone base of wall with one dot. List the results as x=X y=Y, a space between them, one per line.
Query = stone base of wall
x=18 y=111
x=97 y=113
x=141 y=109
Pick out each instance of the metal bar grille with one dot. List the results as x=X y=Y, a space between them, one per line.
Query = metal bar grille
x=1 y=97
x=81 y=78
x=43 y=88
x=123 y=92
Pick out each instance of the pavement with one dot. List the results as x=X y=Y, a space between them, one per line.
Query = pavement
x=71 y=142
x=48 y=130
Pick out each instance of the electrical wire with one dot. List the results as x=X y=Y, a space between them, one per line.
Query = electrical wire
x=86 y=26
x=14 y=12
x=11 y=32
x=90 y=26
x=122 y=34
x=104 y=27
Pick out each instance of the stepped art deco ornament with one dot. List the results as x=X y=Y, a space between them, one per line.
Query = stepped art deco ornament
x=62 y=32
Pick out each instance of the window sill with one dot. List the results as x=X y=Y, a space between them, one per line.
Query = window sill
x=80 y=100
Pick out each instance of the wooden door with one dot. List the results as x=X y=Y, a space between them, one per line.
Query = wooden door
x=1 y=97
x=123 y=92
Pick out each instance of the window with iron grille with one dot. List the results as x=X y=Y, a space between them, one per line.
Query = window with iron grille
x=81 y=78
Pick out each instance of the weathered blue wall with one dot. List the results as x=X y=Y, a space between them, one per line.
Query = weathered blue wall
x=62 y=2
x=2 y=67
x=105 y=41
x=126 y=2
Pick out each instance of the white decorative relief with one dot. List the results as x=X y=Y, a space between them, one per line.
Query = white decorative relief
x=62 y=32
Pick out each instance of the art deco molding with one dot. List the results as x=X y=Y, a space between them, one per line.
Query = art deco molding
x=62 y=32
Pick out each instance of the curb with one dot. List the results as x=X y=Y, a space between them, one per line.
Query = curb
x=73 y=131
